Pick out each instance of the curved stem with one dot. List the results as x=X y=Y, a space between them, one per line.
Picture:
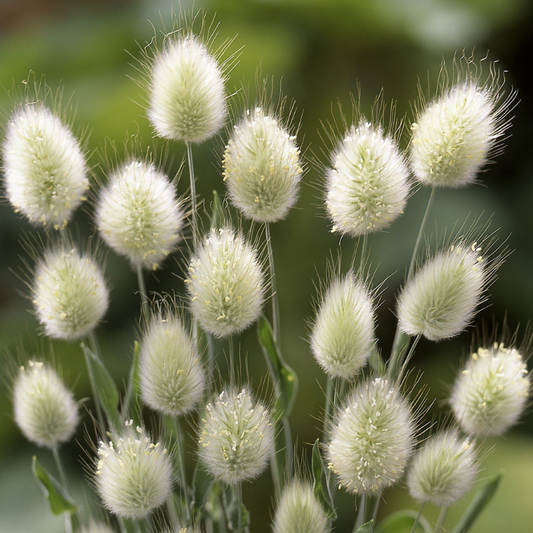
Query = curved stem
x=413 y=530
x=273 y=285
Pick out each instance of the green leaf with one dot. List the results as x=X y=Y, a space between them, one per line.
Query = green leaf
x=321 y=485
x=106 y=389
x=217 y=214
x=202 y=483
x=58 y=499
x=376 y=362
x=133 y=390
x=366 y=528
x=477 y=505
x=283 y=376
x=402 y=522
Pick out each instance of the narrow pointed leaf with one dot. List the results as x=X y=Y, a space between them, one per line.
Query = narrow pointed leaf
x=477 y=505
x=217 y=213
x=402 y=522
x=376 y=362
x=320 y=485
x=366 y=528
x=133 y=390
x=201 y=486
x=58 y=499
x=284 y=378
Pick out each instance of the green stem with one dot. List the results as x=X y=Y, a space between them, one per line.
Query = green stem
x=238 y=498
x=375 y=511
x=136 y=526
x=330 y=400
x=142 y=290
x=360 y=513
x=122 y=525
x=440 y=521
x=405 y=363
x=288 y=445
x=64 y=484
x=88 y=364
x=231 y=361
x=273 y=285
x=181 y=463
x=413 y=530
x=401 y=340
x=192 y=179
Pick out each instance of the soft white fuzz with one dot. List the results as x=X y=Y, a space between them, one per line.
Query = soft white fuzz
x=440 y=300
x=372 y=438
x=44 y=167
x=343 y=331
x=225 y=283
x=236 y=437
x=138 y=214
x=454 y=135
x=490 y=394
x=187 y=97
x=299 y=510
x=69 y=293
x=367 y=187
x=171 y=373
x=262 y=167
x=133 y=475
x=443 y=469
x=45 y=410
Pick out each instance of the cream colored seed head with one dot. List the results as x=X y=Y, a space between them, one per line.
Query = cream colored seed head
x=187 y=100
x=69 y=293
x=367 y=186
x=262 y=167
x=133 y=475
x=225 y=283
x=236 y=437
x=45 y=410
x=171 y=373
x=372 y=438
x=491 y=393
x=139 y=216
x=44 y=168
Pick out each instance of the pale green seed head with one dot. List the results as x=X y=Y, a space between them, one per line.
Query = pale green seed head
x=367 y=186
x=236 y=437
x=45 y=410
x=443 y=469
x=343 y=331
x=172 y=375
x=262 y=167
x=491 y=392
x=299 y=510
x=372 y=438
x=225 y=283
x=133 y=475
x=139 y=216
x=440 y=300
x=187 y=100
x=69 y=293
x=454 y=135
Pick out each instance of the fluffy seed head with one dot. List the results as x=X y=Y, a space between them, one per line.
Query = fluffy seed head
x=225 y=283
x=372 y=438
x=172 y=376
x=491 y=392
x=440 y=300
x=443 y=470
x=367 y=187
x=343 y=330
x=454 y=136
x=299 y=510
x=187 y=97
x=262 y=168
x=45 y=410
x=138 y=214
x=69 y=293
x=236 y=437
x=133 y=475
x=44 y=167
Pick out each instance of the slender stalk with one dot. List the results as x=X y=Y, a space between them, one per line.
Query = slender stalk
x=142 y=289
x=122 y=525
x=361 y=512
x=401 y=340
x=403 y=370
x=330 y=399
x=181 y=463
x=375 y=511
x=88 y=364
x=192 y=179
x=64 y=484
x=136 y=526
x=440 y=521
x=173 y=515
x=288 y=445
x=413 y=530
x=273 y=285
x=231 y=361
x=238 y=497
x=275 y=471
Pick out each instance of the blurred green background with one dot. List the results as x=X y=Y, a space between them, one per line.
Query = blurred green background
x=321 y=50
